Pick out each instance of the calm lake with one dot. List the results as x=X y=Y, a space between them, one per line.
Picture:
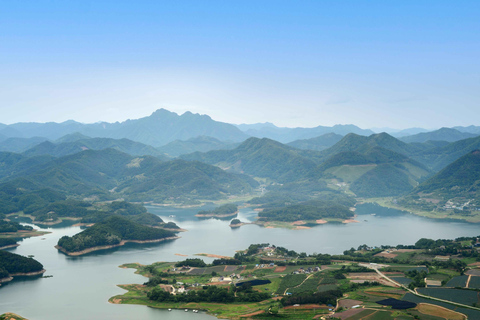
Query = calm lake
x=81 y=286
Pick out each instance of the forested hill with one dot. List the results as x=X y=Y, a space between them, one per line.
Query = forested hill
x=262 y=158
x=20 y=145
x=70 y=147
x=110 y=173
x=459 y=179
x=440 y=156
x=11 y=263
x=354 y=142
x=375 y=172
x=318 y=143
x=309 y=210
x=111 y=232
x=201 y=144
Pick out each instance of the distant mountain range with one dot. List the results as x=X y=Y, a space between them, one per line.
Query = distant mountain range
x=156 y=130
x=110 y=173
x=285 y=135
x=443 y=134
x=71 y=146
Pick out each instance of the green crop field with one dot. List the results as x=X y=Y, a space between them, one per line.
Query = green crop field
x=290 y=281
x=468 y=297
x=459 y=281
x=326 y=287
x=472 y=314
x=402 y=280
x=474 y=283
x=310 y=284
x=328 y=281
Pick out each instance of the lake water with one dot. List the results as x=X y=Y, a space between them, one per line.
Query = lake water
x=81 y=286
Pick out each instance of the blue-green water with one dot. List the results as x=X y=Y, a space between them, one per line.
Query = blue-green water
x=80 y=286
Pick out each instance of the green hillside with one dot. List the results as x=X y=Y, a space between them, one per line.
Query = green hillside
x=110 y=174
x=262 y=158
x=14 y=163
x=20 y=144
x=374 y=172
x=70 y=147
x=201 y=144
x=318 y=143
x=441 y=156
x=382 y=181
x=181 y=180
x=461 y=178
x=354 y=142
x=309 y=210
x=452 y=192
x=11 y=263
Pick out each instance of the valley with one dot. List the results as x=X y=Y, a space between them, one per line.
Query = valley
x=93 y=198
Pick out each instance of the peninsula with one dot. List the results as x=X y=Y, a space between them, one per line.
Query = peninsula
x=226 y=211
x=112 y=232
x=14 y=265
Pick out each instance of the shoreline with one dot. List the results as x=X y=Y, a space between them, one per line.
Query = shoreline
x=11 y=276
x=122 y=243
x=386 y=203
x=10 y=246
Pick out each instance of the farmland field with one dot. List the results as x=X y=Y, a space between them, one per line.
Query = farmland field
x=459 y=281
x=472 y=314
x=402 y=280
x=473 y=272
x=290 y=281
x=474 y=282
x=310 y=284
x=432 y=310
x=467 y=297
x=326 y=287
x=328 y=281
x=197 y=272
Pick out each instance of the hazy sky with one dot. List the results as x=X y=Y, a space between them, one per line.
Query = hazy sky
x=294 y=63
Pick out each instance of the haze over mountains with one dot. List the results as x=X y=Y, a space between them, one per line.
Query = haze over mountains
x=133 y=159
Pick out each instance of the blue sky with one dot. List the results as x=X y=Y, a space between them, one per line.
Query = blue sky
x=294 y=63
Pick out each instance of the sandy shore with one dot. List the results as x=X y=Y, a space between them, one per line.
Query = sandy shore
x=20 y=274
x=212 y=256
x=10 y=246
x=123 y=242
x=350 y=221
